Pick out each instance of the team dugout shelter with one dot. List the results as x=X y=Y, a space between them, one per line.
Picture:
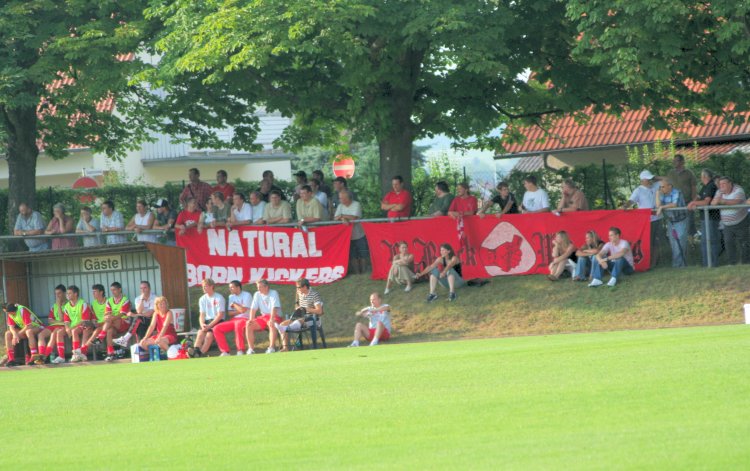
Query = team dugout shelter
x=29 y=278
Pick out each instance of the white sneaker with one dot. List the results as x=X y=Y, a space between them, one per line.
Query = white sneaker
x=280 y=328
x=387 y=290
x=250 y=351
x=271 y=350
x=224 y=354
x=76 y=357
x=240 y=353
x=355 y=344
x=407 y=289
x=122 y=341
x=373 y=343
x=612 y=281
x=58 y=360
x=595 y=282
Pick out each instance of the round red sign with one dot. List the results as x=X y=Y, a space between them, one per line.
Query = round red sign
x=343 y=166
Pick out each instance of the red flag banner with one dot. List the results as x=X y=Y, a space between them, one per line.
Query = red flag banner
x=516 y=244
x=277 y=254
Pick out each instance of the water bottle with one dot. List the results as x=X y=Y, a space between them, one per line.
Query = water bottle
x=153 y=353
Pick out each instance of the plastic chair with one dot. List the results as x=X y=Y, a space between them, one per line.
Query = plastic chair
x=310 y=329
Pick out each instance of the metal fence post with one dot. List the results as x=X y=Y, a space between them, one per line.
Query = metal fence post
x=707 y=235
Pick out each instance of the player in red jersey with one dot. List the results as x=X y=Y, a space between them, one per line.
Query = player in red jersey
x=54 y=334
x=115 y=318
x=22 y=324
x=77 y=316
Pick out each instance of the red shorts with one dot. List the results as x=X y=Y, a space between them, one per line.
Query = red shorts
x=262 y=321
x=123 y=326
x=171 y=339
x=53 y=328
x=384 y=336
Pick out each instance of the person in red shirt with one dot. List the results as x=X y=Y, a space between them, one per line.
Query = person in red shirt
x=22 y=324
x=227 y=189
x=187 y=220
x=161 y=330
x=54 y=333
x=398 y=201
x=464 y=204
x=197 y=189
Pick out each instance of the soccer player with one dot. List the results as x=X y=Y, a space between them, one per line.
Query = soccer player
x=162 y=326
x=98 y=308
x=212 y=308
x=54 y=334
x=237 y=317
x=115 y=318
x=22 y=324
x=266 y=300
x=380 y=322
x=144 y=309
x=76 y=315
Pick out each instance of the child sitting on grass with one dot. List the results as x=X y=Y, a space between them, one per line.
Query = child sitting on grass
x=379 y=327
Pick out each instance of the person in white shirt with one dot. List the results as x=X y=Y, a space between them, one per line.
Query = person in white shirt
x=644 y=197
x=266 y=301
x=144 y=310
x=535 y=200
x=615 y=257
x=242 y=212
x=212 y=309
x=379 y=327
x=238 y=313
x=320 y=196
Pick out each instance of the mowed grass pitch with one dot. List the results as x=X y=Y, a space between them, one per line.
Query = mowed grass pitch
x=658 y=399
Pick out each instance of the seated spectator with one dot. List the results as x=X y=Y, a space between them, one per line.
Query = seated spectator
x=301 y=178
x=677 y=224
x=226 y=189
x=348 y=212
x=645 y=198
x=309 y=209
x=242 y=212
x=505 y=202
x=257 y=207
x=320 y=196
x=535 y=200
x=339 y=183
x=308 y=303
x=562 y=251
x=165 y=220
x=615 y=257
x=397 y=202
x=446 y=270
x=710 y=225
x=161 y=331
x=207 y=216
x=585 y=256
x=267 y=185
x=197 y=189
x=30 y=223
x=144 y=311
x=442 y=201
x=61 y=223
x=735 y=221
x=238 y=313
x=187 y=220
x=88 y=225
x=572 y=198
x=379 y=325
x=322 y=185
x=402 y=269
x=112 y=221
x=266 y=301
x=464 y=204
x=277 y=211
x=212 y=308
x=142 y=220
x=22 y=324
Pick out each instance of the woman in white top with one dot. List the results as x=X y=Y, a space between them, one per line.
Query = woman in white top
x=143 y=219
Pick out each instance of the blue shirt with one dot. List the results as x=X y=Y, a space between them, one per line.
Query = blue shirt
x=674 y=197
x=34 y=222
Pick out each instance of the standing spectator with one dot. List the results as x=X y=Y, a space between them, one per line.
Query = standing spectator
x=318 y=175
x=301 y=177
x=615 y=257
x=212 y=308
x=308 y=304
x=505 y=201
x=685 y=181
x=142 y=220
x=226 y=189
x=308 y=207
x=197 y=189
x=645 y=198
x=398 y=201
x=30 y=223
x=321 y=197
x=348 y=212
x=402 y=269
x=572 y=198
x=112 y=221
x=165 y=220
x=670 y=197
x=709 y=226
x=238 y=313
x=267 y=185
x=562 y=251
x=242 y=212
x=187 y=220
x=88 y=225
x=535 y=200
x=446 y=270
x=379 y=326
x=735 y=221
x=277 y=211
x=266 y=301
x=585 y=256
x=442 y=202
x=257 y=207
x=61 y=223
x=464 y=204
x=339 y=183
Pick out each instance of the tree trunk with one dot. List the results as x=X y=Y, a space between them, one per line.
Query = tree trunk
x=395 y=158
x=21 y=125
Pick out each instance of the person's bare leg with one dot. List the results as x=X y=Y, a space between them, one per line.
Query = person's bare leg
x=433 y=283
x=207 y=342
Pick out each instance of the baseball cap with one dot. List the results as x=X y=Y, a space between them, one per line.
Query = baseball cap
x=160 y=203
x=646 y=175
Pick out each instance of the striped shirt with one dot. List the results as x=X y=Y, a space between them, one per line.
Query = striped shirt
x=730 y=217
x=309 y=300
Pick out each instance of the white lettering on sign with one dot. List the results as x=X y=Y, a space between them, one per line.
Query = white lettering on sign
x=225 y=243
x=104 y=263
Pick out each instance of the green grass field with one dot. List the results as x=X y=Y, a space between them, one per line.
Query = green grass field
x=656 y=399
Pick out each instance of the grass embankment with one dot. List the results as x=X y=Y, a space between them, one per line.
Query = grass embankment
x=532 y=305
x=656 y=399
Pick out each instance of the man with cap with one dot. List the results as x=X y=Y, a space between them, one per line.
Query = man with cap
x=165 y=219
x=645 y=198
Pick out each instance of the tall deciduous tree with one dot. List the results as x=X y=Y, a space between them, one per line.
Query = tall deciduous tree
x=394 y=71
x=58 y=61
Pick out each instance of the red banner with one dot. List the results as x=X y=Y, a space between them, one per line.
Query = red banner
x=516 y=244
x=277 y=254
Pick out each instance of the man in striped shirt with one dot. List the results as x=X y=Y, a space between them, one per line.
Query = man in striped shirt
x=735 y=221
x=308 y=303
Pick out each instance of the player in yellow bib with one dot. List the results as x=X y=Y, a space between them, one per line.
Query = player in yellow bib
x=54 y=334
x=115 y=318
x=22 y=324
x=98 y=306
x=77 y=315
